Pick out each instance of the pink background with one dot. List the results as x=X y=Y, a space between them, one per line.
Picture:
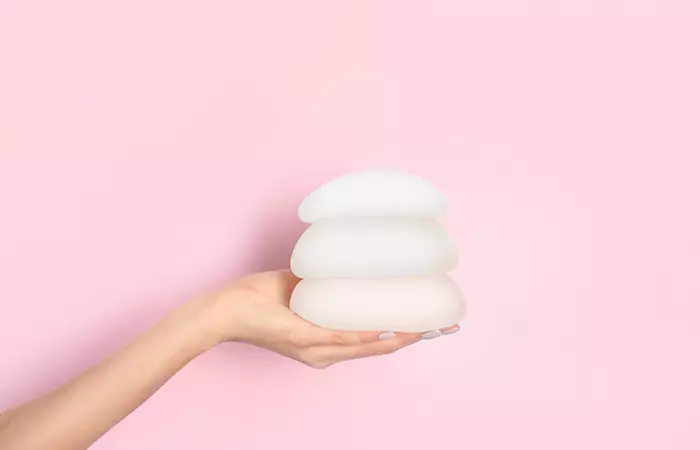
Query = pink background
x=152 y=149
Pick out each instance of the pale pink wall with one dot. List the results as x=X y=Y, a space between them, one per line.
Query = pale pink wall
x=151 y=149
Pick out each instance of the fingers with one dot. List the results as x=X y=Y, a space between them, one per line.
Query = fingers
x=314 y=335
x=432 y=334
x=329 y=354
x=450 y=330
x=337 y=346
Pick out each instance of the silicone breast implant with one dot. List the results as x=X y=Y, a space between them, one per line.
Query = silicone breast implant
x=375 y=257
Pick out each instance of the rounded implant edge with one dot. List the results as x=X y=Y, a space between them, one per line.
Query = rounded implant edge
x=374 y=247
x=400 y=304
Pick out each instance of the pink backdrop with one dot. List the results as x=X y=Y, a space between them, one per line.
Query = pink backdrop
x=151 y=149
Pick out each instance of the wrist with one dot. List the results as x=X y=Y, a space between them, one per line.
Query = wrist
x=195 y=321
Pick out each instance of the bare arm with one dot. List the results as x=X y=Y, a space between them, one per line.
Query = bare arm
x=253 y=310
x=75 y=415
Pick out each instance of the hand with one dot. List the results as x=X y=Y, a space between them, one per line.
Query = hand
x=255 y=310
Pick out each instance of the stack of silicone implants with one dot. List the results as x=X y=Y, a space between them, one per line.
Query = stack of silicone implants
x=374 y=256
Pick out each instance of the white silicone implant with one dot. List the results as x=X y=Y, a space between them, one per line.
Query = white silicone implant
x=374 y=257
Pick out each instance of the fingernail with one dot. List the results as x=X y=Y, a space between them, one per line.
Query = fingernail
x=387 y=335
x=431 y=334
x=451 y=330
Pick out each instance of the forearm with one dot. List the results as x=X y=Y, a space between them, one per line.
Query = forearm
x=78 y=413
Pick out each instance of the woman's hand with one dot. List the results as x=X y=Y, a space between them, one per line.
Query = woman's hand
x=255 y=310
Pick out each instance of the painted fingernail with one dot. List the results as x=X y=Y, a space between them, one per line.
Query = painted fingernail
x=431 y=334
x=451 y=330
x=387 y=335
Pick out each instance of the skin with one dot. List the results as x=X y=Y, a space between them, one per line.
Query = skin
x=253 y=310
